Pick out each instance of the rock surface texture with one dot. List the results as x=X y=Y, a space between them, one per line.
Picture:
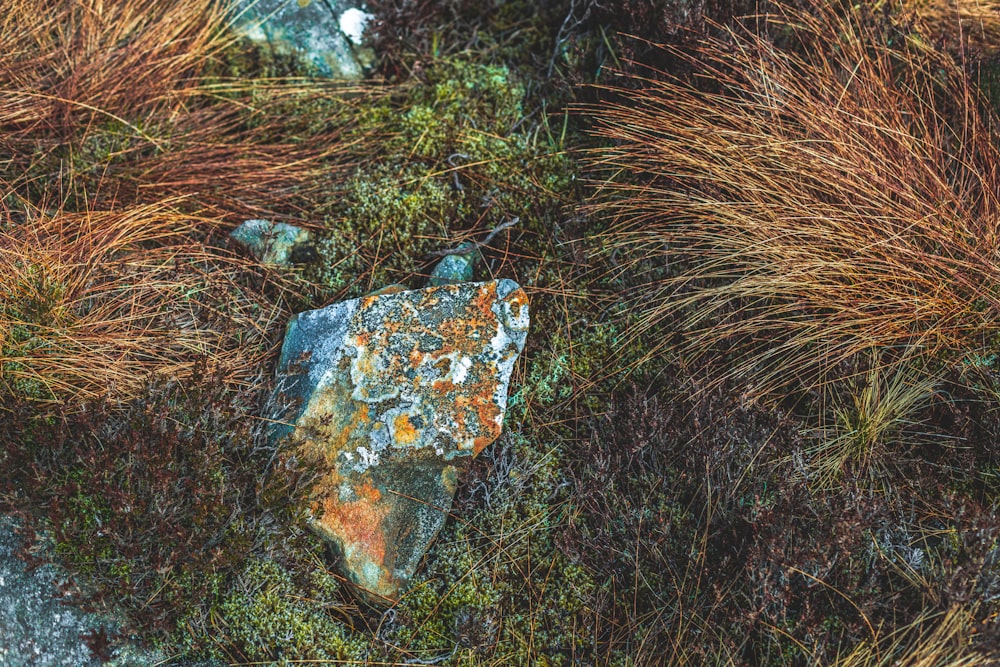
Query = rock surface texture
x=39 y=625
x=271 y=243
x=392 y=396
x=314 y=28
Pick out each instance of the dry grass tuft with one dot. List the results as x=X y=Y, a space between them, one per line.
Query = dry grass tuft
x=100 y=300
x=832 y=197
x=935 y=640
x=111 y=58
x=104 y=102
x=124 y=157
x=961 y=24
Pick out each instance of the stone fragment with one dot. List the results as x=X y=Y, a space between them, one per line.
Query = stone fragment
x=272 y=243
x=42 y=623
x=391 y=396
x=456 y=268
x=312 y=28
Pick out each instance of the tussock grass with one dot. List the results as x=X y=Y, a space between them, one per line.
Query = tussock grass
x=125 y=155
x=961 y=24
x=881 y=408
x=816 y=202
x=105 y=102
x=66 y=64
x=100 y=300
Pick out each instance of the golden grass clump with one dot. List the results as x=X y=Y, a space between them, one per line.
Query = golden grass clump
x=64 y=64
x=99 y=301
x=960 y=24
x=124 y=100
x=818 y=201
x=125 y=157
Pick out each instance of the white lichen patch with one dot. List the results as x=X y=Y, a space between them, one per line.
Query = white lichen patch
x=367 y=459
x=460 y=370
x=353 y=23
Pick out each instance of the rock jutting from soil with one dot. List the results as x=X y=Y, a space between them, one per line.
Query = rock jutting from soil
x=272 y=243
x=327 y=33
x=390 y=397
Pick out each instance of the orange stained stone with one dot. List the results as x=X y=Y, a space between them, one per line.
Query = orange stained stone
x=405 y=432
x=358 y=524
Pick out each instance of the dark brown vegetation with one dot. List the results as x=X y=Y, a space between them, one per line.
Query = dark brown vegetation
x=756 y=419
x=820 y=191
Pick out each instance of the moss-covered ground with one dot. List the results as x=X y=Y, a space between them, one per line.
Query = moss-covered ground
x=636 y=511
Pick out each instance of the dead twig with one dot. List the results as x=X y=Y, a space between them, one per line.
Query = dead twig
x=467 y=248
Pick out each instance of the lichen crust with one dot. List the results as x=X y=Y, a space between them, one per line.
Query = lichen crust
x=396 y=391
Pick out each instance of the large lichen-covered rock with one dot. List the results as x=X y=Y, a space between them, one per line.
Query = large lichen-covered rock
x=391 y=396
x=326 y=32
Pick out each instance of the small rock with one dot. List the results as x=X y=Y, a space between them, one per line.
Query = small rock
x=272 y=243
x=38 y=626
x=457 y=268
x=394 y=393
x=314 y=28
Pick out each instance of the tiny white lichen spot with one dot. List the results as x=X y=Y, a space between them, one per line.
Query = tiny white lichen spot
x=353 y=23
x=460 y=370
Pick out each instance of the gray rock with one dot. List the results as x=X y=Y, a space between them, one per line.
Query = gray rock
x=313 y=28
x=39 y=627
x=456 y=268
x=271 y=243
x=391 y=395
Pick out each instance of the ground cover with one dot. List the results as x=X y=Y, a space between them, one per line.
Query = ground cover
x=755 y=421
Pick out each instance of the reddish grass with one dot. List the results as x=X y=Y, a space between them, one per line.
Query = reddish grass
x=820 y=200
x=100 y=300
x=103 y=102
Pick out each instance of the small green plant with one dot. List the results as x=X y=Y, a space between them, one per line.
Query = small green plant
x=268 y=619
x=882 y=406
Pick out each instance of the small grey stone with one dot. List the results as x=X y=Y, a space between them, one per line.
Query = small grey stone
x=271 y=243
x=456 y=268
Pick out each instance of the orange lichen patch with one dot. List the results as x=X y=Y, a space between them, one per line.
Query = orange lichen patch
x=356 y=527
x=369 y=492
x=405 y=432
x=484 y=300
x=518 y=302
x=329 y=432
x=443 y=386
x=485 y=413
